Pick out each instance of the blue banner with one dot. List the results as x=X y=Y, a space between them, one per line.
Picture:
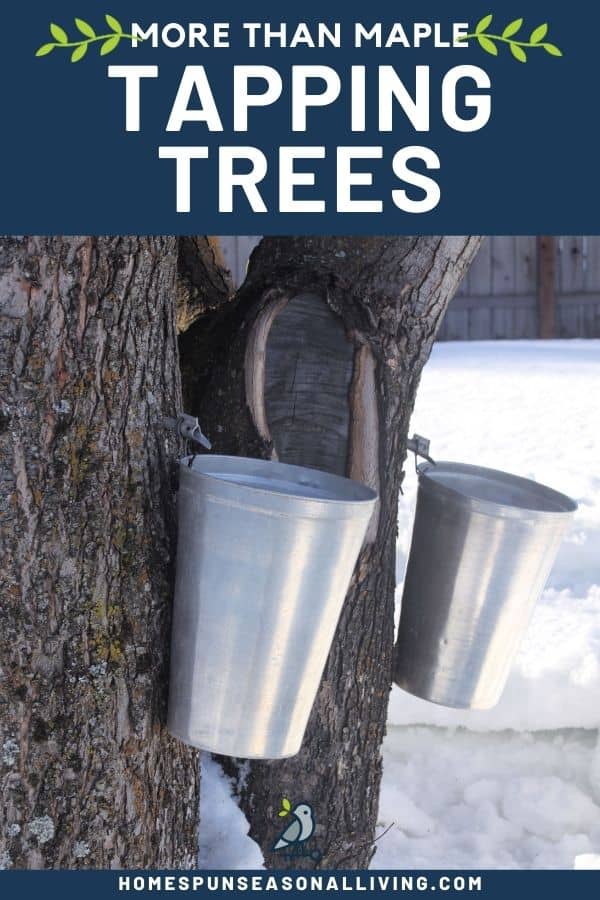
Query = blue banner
x=493 y=885
x=319 y=118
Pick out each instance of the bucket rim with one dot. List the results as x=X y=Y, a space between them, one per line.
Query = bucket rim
x=565 y=506
x=368 y=499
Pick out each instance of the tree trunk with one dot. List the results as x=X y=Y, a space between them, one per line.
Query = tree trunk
x=317 y=362
x=88 y=775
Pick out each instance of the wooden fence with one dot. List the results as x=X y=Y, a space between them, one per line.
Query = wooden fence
x=527 y=287
x=236 y=253
x=517 y=287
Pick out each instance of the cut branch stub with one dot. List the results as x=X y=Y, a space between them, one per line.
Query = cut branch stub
x=308 y=369
x=310 y=388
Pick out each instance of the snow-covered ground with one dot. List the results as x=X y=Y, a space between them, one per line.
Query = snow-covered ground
x=518 y=786
x=488 y=800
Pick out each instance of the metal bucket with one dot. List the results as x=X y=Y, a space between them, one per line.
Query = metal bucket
x=264 y=558
x=482 y=548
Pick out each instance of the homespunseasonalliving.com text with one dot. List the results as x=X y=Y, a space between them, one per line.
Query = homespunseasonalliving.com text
x=304 y=883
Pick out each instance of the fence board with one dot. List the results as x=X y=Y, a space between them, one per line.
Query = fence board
x=568 y=319
x=499 y=298
x=480 y=323
x=592 y=272
x=502 y=322
x=457 y=325
x=590 y=320
x=546 y=287
x=525 y=323
x=503 y=265
x=571 y=265
x=526 y=265
x=236 y=252
x=480 y=273
x=508 y=301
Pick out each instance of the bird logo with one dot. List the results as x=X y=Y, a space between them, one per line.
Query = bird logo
x=299 y=830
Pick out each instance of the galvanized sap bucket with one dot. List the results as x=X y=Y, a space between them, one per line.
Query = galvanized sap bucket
x=265 y=555
x=482 y=548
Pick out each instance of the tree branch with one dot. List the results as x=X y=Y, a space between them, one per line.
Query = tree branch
x=203 y=283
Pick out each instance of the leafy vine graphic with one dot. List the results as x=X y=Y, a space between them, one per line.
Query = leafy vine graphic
x=61 y=38
x=286 y=807
x=488 y=42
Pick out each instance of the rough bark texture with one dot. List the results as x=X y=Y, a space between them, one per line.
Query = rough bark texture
x=202 y=281
x=390 y=294
x=88 y=775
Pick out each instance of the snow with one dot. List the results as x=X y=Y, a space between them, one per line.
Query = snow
x=517 y=786
x=587 y=861
x=487 y=800
x=224 y=840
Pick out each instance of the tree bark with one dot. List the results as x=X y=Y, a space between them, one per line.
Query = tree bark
x=88 y=775
x=390 y=295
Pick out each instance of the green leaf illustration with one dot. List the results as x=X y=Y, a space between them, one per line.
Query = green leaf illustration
x=59 y=34
x=484 y=24
x=109 y=45
x=106 y=42
x=488 y=45
x=285 y=807
x=512 y=28
x=490 y=40
x=538 y=34
x=79 y=52
x=85 y=28
x=518 y=52
x=114 y=24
